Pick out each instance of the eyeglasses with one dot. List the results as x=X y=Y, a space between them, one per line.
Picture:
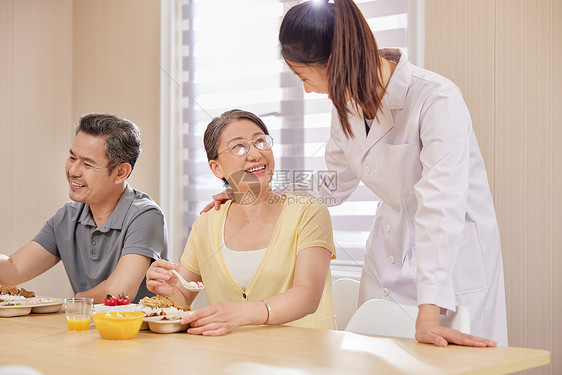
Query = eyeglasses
x=240 y=147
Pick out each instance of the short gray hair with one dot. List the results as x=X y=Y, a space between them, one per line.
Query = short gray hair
x=122 y=137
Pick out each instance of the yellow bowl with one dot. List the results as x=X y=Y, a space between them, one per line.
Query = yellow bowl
x=118 y=325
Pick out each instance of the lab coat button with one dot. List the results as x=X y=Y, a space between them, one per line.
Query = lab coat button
x=391 y=259
x=387 y=228
x=385 y=292
x=367 y=170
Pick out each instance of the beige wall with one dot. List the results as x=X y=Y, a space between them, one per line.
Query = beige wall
x=58 y=60
x=116 y=52
x=36 y=122
x=505 y=55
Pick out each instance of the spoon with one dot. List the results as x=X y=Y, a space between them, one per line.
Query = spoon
x=192 y=285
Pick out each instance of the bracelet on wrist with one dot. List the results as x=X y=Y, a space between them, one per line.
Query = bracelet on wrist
x=268 y=310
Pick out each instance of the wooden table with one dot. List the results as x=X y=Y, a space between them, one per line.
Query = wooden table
x=44 y=343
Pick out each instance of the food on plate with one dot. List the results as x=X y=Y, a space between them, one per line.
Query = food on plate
x=19 y=302
x=162 y=302
x=10 y=291
x=169 y=323
x=171 y=317
x=44 y=300
x=123 y=300
x=12 y=296
x=110 y=300
x=13 y=291
x=158 y=306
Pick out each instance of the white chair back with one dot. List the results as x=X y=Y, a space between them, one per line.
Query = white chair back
x=459 y=319
x=383 y=317
x=388 y=318
x=346 y=294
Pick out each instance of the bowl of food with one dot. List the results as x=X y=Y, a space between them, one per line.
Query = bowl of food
x=167 y=323
x=118 y=325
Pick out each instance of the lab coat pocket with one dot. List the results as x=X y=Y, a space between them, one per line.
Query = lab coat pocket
x=399 y=168
x=469 y=274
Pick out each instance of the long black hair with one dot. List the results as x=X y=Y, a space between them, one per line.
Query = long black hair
x=337 y=36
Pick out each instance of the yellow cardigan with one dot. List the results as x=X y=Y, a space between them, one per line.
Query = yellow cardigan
x=303 y=223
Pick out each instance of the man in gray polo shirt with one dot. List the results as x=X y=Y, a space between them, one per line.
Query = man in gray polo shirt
x=109 y=234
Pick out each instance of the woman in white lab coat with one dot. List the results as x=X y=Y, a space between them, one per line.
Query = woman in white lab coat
x=406 y=134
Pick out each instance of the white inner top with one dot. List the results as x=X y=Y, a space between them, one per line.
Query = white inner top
x=241 y=264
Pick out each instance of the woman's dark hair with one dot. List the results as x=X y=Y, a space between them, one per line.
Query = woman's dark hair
x=336 y=36
x=211 y=138
x=122 y=137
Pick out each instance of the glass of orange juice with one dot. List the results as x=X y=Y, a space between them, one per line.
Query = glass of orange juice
x=78 y=313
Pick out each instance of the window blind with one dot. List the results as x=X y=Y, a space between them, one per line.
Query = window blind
x=230 y=59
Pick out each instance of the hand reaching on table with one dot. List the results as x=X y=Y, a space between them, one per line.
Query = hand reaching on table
x=219 y=199
x=429 y=331
x=221 y=318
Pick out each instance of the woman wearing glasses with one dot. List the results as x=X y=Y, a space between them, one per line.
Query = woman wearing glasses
x=264 y=258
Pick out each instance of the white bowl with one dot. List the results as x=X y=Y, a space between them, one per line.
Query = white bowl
x=158 y=325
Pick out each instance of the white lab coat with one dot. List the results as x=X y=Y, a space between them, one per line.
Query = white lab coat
x=435 y=237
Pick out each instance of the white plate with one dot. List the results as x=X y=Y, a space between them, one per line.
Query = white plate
x=40 y=305
x=9 y=298
x=156 y=324
x=46 y=307
x=9 y=311
x=100 y=307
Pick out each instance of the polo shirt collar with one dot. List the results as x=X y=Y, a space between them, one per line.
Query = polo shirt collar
x=115 y=220
x=397 y=87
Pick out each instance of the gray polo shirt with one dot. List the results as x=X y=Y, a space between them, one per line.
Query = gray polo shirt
x=90 y=253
